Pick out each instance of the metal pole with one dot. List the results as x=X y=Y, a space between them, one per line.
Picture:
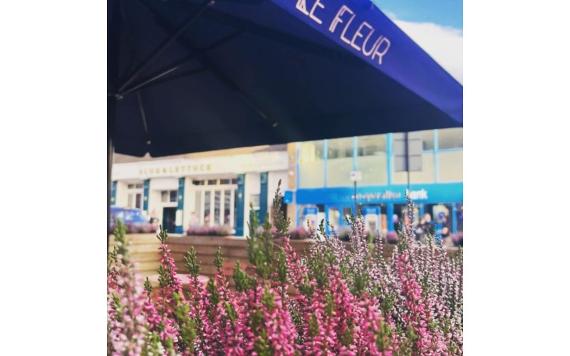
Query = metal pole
x=407 y=152
x=355 y=202
x=109 y=181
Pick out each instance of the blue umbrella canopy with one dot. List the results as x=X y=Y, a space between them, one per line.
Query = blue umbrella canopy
x=186 y=76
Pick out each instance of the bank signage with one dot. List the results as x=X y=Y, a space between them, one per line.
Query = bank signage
x=425 y=193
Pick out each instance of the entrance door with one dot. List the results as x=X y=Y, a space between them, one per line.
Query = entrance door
x=169 y=219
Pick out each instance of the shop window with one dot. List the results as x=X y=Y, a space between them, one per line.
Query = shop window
x=217 y=206
x=450 y=155
x=169 y=196
x=339 y=162
x=371 y=159
x=254 y=201
x=207 y=208
x=227 y=207
x=426 y=174
x=311 y=164
x=450 y=138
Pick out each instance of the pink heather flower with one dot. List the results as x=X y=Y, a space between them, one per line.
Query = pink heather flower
x=127 y=326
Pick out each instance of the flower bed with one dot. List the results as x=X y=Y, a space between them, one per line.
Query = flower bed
x=341 y=298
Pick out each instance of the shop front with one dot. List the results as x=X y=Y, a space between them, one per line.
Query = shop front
x=383 y=207
x=204 y=192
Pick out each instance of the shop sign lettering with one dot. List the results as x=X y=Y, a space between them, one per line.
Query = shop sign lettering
x=359 y=34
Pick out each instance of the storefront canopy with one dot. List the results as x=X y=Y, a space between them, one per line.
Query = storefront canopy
x=188 y=76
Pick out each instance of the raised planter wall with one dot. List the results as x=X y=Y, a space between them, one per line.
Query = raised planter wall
x=143 y=251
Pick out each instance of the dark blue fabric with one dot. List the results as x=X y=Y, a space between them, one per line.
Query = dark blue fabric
x=273 y=76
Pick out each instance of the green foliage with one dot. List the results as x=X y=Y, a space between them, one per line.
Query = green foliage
x=329 y=303
x=191 y=262
x=214 y=296
x=278 y=217
x=162 y=235
x=346 y=338
x=164 y=278
x=268 y=299
x=153 y=347
x=147 y=286
x=231 y=312
x=186 y=324
x=219 y=260
x=120 y=244
x=241 y=279
x=313 y=326
x=383 y=336
x=262 y=345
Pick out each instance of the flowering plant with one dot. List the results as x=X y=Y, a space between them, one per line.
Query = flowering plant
x=342 y=298
x=208 y=231
x=457 y=239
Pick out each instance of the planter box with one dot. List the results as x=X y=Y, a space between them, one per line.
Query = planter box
x=143 y=251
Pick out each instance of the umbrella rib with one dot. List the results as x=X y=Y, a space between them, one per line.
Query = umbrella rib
x=190 y=59
x=143 y=116
x=190 y=20
x=201 y=57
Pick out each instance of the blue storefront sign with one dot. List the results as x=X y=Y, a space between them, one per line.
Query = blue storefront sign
x=396 y=194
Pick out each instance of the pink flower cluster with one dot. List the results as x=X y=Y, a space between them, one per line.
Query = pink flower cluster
x=343 y=298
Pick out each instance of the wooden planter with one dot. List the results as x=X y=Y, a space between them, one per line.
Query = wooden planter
x=143 y=251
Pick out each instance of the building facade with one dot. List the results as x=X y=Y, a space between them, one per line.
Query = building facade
x=318 y=180
x=323 y=186
x=201 y=190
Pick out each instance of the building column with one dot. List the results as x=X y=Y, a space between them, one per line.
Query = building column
x=263 y=196
x=146 y=190
x=389 y=141
x=436 y=156
x=389 y=216
x=179 y=229
x=453 y=218
x=240 y=204
x=114 y=193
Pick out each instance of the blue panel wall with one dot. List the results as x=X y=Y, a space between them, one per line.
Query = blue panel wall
x=263 y=196
x=114 y=192
x=179 y=229
x=146 y=188
x=240 y=204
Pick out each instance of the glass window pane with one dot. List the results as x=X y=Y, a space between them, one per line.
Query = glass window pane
x=130 y=200
x=450 y=138
x=164 y=196
x=371 y=160
x=173 y=195
x=138 y=203
x=339 y=162
x=224 y=181
x=254 y=200
x=207 y=196
x=311 y=164
x=217 y=206
x=212 y=181
x=227 y=206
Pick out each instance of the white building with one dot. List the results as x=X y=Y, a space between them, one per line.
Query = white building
x=206 y=189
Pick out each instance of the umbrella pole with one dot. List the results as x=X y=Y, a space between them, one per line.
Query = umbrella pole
x=109 y=185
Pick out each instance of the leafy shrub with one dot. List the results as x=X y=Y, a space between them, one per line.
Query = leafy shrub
x=343 y=298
